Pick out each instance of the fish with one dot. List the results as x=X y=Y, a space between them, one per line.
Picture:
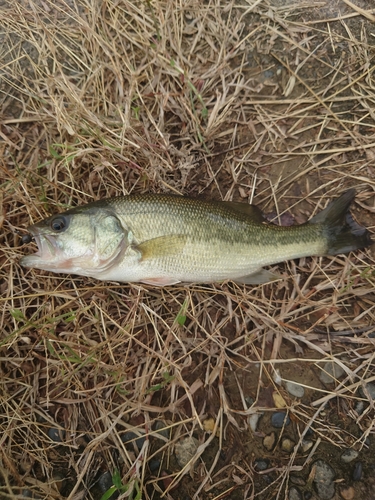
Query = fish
x=164 y=239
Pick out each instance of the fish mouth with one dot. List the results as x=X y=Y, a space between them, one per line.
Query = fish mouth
x=46 y=247
x=46 y=252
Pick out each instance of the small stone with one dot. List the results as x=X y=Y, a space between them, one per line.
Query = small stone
x=357 y=472
x=370 y=389
x=154 y=465
x=253 y=421
x=306 y=445
x=105 y=481
x=130 y=438
x=294 y=389
x=280 y=419
x=268 y=73
x=162 y=428
x=309 y=432
x=249 y=401
x=278 y=400
x=359 y=407
x=57 y=435
x=209 y=425
x=349 y=455
x=331 y=372
x=167 y=481
x=59 y=480
x=323 y=480
x=347 y=493
x=277 y=377
x=261 y=464
x=287 y=445
x=299 y=481
x=269 y=441
x=294 y=494
x=185 y=450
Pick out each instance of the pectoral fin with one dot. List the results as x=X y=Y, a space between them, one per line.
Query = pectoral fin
x=258 y=278
x=162 y=246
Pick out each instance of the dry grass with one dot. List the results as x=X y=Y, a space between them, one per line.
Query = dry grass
x=226 y=99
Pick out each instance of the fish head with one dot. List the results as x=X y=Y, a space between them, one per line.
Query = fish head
x=79 y=241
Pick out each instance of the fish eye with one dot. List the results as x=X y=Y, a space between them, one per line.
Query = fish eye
x=59 y=223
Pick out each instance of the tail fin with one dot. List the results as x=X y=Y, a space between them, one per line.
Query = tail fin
x=343 y=233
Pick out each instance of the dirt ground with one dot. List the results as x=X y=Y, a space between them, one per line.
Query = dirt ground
x=117 y=390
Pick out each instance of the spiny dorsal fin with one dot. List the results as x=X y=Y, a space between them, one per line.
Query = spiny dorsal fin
x=251 y=211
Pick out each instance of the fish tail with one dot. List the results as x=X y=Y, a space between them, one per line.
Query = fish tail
x=342 y=232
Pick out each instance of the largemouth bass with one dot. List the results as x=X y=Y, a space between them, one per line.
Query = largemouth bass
x=167 y=239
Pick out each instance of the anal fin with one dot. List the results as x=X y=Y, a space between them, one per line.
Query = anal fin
x=160 y=281
x=258 y=278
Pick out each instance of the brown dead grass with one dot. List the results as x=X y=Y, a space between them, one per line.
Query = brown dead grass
x=229 y=100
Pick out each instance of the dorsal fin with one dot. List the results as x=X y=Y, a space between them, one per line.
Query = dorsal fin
x=252 y=211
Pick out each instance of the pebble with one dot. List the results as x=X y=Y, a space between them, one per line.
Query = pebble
x=167 y=482
x=359 y=407
x=249 y=401
x=185 y=449
x=331 y=372
x=297 y=480
x=357 y=472
x=306 y=445
x=269 y=441
x=261 y=464
x=162 y=429
x=131 y=437
x=278 y=400
x=294 y=494
x=268 y=73
x=295 y=389
x=57 y=435
x=209 y=425
x=348 y=493
x=309 y=432
x=370 y=389
x=26 y=239
x=349 y=455
x=253 y=421
x=280 y=419
x=105 y=481
x=154 y=465
x=323 y=480
x=287 y=445
x=59 y=480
